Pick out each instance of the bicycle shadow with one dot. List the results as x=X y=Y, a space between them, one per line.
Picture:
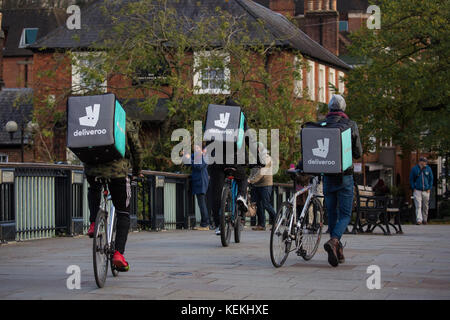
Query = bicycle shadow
x=320 y=265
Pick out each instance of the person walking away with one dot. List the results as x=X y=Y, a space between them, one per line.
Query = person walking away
x=200 y=182
x=116 y=175
x=262 y=180
x=338 y=189
x=421 y=181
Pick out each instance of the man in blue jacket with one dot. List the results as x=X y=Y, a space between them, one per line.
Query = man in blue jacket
x=421 y=181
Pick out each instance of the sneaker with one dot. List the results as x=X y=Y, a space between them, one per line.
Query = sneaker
x=331 y=247
x=340 y=252
x=119 y=262
x=91 y=230
x=419 y=223
x=217 y=231
x=242 y=202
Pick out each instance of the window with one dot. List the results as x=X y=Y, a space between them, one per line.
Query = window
x=28 y=37
x=298 y=84
x=322 y=89
x=85 y=73
x=209 y=79
x=3 y=157
x=331 y=82
x=310 y=80
x=341 y=83
x=343 y=25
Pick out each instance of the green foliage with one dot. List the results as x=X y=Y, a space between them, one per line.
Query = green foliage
x=149 y=38
x=403 y=91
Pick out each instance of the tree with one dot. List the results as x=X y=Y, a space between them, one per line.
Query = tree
x=402 y=92
x=152 y=51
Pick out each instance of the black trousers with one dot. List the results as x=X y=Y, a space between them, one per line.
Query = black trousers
x=217 y=180
x=120 y=190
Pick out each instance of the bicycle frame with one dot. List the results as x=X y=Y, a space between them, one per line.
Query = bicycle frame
x=234 y=191
x=107 y=202
x=312 y=187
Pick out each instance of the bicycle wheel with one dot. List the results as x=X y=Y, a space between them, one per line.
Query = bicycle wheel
x=114 y=270
x=100 y=249
x=311 y=229
x=225 y=216
x=279 y=244
x=237 y=225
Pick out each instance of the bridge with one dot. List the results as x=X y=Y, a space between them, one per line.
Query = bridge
x=186 y=264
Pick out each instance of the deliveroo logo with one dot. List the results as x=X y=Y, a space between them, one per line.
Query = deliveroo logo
x=223 y=120
x=322 y=150
x=91 y=117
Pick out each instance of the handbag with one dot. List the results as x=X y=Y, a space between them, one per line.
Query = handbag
x=251 y=212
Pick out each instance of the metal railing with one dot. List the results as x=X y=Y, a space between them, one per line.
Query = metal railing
x=45 y=200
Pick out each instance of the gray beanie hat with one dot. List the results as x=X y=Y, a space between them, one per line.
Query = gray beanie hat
x=337 y=103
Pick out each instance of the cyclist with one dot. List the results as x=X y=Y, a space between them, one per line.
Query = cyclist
x=116 y=175
x=217 y=178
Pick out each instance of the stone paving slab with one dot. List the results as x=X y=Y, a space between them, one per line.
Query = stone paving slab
x=184 y=264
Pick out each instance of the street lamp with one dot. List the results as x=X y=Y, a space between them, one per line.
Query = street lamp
x=11 y=127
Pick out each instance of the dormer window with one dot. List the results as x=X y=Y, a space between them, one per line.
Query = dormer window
x=28 y=37
x=343 y=26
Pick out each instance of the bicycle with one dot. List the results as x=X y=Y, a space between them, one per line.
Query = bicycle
x=304 y=231
x=230 y=213
x=104 y=236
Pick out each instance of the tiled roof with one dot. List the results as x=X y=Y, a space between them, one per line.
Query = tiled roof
x=15 y=105
x=15 y=20
x=281 y=29
x=292 y=36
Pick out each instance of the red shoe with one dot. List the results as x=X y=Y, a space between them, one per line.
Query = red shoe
x=91 y=230
x=119 y=262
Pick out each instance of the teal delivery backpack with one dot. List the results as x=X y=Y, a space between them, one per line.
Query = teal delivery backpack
x=326 y=147
x=96 y=128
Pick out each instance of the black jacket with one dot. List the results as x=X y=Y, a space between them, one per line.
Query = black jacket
x=357 y=151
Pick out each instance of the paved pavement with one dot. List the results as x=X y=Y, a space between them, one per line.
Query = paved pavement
x=194 y=265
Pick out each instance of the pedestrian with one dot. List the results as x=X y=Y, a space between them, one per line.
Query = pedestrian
x=381 y=189
x=200 y=182
x=338 y=189
x=262 y=180
x=421 y=181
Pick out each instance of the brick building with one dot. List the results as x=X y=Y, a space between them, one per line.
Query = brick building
x=22 y=23
x=330 y=22
x=324 y=66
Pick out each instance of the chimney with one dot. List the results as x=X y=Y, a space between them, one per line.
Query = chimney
x=333 y=5
x=309 y=5
x=285 y=7
x=321 y=23
x=2 y=43
x=319 y=4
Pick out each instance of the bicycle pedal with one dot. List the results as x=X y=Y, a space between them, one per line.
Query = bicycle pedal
x=301 y=252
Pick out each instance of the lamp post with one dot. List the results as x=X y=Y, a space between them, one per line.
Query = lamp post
x=11 y=127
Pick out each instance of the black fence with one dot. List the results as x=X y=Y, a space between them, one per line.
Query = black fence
x=45 y=200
